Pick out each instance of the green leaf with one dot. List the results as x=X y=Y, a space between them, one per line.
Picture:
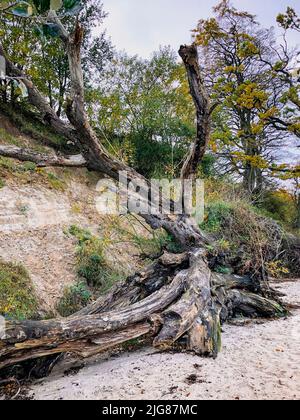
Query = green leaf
x=22 y=9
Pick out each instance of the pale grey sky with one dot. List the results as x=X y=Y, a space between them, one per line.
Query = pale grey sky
x=141 y=26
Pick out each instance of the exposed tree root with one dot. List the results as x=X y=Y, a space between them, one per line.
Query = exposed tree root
x=177 y=300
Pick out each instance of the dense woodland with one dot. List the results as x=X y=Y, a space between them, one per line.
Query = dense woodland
x=225 y=109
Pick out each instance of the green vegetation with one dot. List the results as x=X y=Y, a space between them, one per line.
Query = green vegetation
x=74 y=298
x=150 y=245
x=17 y=298
x=95 y=275
x=91 y=263
x=281 y=206
x=28 y=125
x=29 y=172
x=216 y=215
x=90 y=256
x=9 y=165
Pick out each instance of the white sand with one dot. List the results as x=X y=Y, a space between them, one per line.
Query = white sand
x=258 y=361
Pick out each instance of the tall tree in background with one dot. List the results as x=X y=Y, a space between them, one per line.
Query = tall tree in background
x=145 y=109
x=286 y=70
x=235 y=53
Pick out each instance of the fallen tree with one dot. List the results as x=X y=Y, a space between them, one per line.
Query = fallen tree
x=177 y=300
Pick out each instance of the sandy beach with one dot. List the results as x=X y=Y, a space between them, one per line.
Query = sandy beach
x=258 y=361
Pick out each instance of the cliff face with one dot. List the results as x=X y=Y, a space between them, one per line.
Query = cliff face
x=37 y=207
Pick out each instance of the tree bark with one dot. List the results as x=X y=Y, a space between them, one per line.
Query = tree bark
x=42 y=159
x=175 y=299
x=28 y=339
x=203 y=107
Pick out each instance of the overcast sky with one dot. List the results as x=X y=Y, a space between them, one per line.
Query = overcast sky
x=141 y=26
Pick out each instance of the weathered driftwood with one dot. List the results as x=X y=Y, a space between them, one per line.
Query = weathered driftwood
x=203 y=107
x=194 y=308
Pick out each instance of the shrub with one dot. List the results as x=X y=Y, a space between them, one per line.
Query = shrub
x=11 y=166
x=92 y=267
x=17 y=298
x=74 y=298
x=91 y=263
x=246 y=240
x=216 y=214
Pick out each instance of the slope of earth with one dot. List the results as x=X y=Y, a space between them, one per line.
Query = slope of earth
x=258 y=361
x=37 y=208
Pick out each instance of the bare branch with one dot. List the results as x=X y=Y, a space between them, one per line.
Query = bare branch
x=39 y=102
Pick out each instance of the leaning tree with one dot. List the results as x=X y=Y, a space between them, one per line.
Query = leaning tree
x=177 y=300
